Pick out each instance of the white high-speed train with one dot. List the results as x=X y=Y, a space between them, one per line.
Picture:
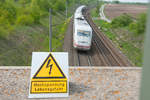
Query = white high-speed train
x=82 y=32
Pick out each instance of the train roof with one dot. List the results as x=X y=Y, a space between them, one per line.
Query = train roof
x=82 y=22
x=82 y=25
x=78 y=15
x=78 y=12
x=79 y=9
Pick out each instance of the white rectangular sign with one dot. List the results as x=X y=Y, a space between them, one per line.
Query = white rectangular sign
x=49 y=75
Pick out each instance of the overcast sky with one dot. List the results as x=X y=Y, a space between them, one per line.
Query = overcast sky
x=143 y=1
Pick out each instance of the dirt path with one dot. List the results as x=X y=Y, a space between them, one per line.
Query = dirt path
x=102 y=15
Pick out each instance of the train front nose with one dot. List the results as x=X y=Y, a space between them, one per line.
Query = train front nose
x=83 y=44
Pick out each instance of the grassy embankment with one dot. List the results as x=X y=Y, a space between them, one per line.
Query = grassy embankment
x=24 y=28
x=126 y=33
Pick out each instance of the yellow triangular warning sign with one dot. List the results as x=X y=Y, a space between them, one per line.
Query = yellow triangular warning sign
x=49 y=69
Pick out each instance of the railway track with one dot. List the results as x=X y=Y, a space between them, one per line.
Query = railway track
x=102 y=53
x=111 y=55
x=84 y=58
x=76 y=57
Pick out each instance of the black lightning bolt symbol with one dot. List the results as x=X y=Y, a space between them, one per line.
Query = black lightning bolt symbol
x=49 y=66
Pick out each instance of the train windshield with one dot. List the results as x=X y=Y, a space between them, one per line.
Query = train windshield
x=83 y=33
x=80 y=18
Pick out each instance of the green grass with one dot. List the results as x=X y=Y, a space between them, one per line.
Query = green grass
x=105 y=27
x=94 y=13
x=133 y=53
x=16 y=50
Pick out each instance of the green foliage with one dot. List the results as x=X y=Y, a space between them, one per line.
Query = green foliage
x=116 y=1
x=44 y=5
x=5 y=28
x=24 y=20
x=25 y=12
x=105 y=27
x=35 y=11
x=59 y=5
x=130 y=50
x=24 y=2
x=139 y=26
x=121 y=21
x=97 y=8
x=8 y=11
x=7 y=17
x=95 y=11
x=133 y=27
x=24 y=28
x=85 y=2
x=141 y=23
x=105 y=24
x=3 y=32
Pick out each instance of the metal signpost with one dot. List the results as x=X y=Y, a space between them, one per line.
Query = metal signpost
x=66 y=9
x=50 y=30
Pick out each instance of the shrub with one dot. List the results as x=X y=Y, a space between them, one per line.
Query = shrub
x=44 y=5
x=133 y=27
x=5 y=27
x=25 y=20
x=36 y=16
x=121 y=21
x=59 y=5
x=35 y=11
x=3 y=33
x=24 y=2
x=116 y=1
x=97 y=8
x=8 y=11
x=139 y=26
x=141 y=23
